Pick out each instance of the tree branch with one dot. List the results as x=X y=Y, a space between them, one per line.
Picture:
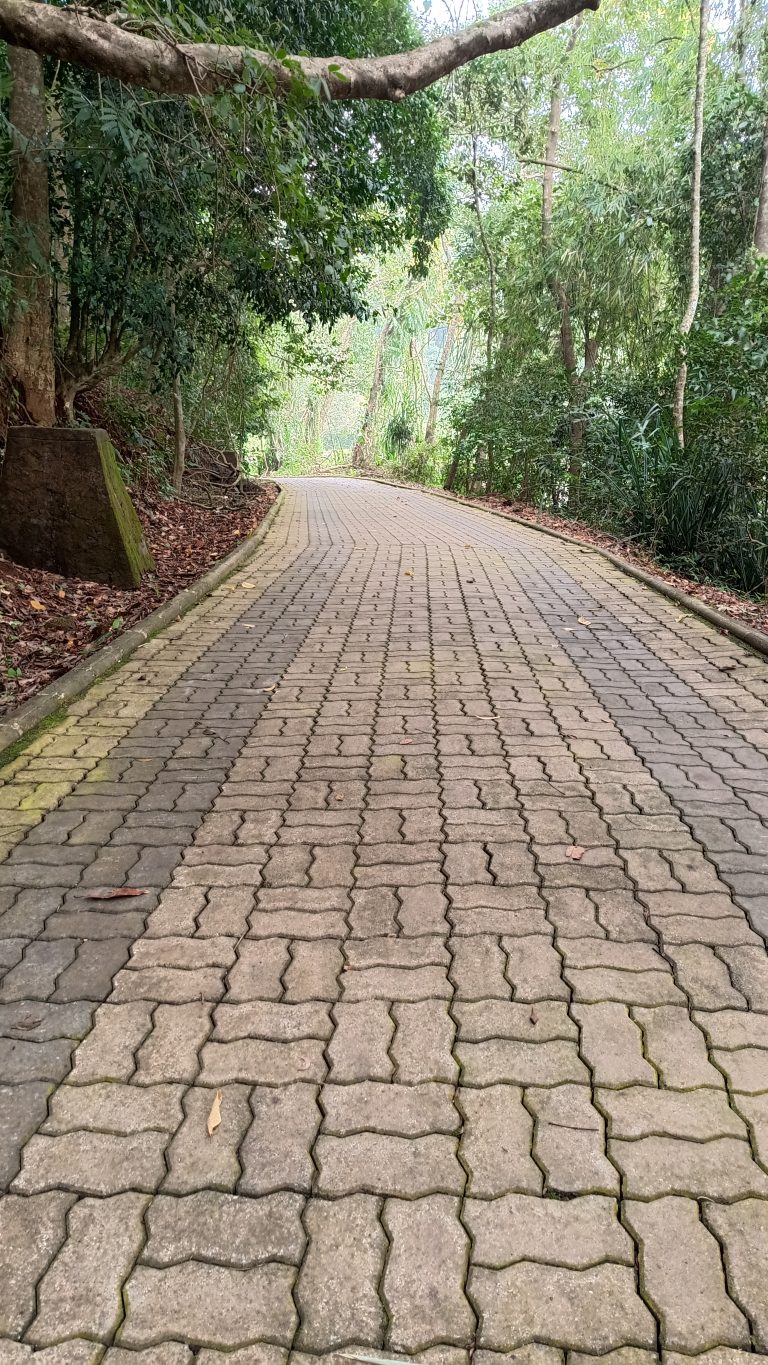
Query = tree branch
x=162 y=65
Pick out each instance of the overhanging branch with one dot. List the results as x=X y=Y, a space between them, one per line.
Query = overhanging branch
x=168 y=67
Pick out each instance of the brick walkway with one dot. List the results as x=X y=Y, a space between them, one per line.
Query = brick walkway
x=477 y=1095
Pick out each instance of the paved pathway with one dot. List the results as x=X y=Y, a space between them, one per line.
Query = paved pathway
x=478 y=1095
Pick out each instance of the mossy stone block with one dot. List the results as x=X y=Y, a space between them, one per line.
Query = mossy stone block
x=64 y=507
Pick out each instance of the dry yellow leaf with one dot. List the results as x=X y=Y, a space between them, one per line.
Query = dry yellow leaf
x=36 y=604
x=214 y=1118
x=582 y=620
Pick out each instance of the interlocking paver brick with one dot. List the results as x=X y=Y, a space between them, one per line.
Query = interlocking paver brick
x=31 y=1232
x=93 y=1162
x=403 y=1110
x=276 y=1151
x=681 y=1274
x=169 y=1353
x=534 y=969
x=112 y=1108
x=496 y=1142
x=423 y=1284
x=210 y=1304
x=376 y=1163
x=748 y=968
x=595 y=1310
x=337 y=1288
x=720 y=1169
x=569 y=1141
x=576 y=1233
x=422 y=1049
x=359 y=1048
x=313 y=971
x=676 y=1048
x=171 y=1051
x=705 y=978
x=266 y=1019
x=225 y=1229
x=520 y=1063
x=612 y=1044
x=477 y=970
x=170 y=985
x=258 y=971
x=81 y=1292
x=381 y=955
x=197 y=1162
x=698 y=1114
x=541 y=1021
x=108 y=1052
x=742 y=1230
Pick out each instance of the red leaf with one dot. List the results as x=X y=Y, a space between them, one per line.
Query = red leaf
x=114 y=893
x=575 y=852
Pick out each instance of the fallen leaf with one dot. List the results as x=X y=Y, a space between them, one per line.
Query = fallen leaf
x=27 y=1023
x=339 y=798
x=575 y=852
x=680 y=618
x=583 y=621
x=533 y=1016
x=407 y=573
x=114 y=893
x=407 y=741
x=36 y=604
x=248 y=585
x=214 y=1118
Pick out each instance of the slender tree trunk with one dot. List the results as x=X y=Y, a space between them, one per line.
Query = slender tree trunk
x=179 y=436
x=434 y=398
x=361 y=451
x=490 y=261
x=28 y=358
x=556 y=287
x=760 y=239
x=678 y=402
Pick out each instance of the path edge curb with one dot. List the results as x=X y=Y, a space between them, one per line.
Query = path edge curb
x=755 y=639
x=71 y=685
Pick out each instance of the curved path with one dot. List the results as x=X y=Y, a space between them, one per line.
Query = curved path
x=453 y=842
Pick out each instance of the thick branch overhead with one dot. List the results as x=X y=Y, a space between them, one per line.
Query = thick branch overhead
x=203 y=68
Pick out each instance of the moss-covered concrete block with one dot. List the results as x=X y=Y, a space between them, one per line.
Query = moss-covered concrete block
x=64 y=507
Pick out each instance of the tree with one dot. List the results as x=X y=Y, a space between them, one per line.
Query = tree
x=449 y=339
x=28 y=342
x=678 y=401
x=172 y=67
x=760 y=238
x=362 y=450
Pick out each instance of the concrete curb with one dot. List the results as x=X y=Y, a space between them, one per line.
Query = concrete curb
x=755 y=639
x=72 y=684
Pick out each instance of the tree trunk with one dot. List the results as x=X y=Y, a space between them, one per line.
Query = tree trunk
x=434 y=398
x=678 y=402
x=28 y=351
x=453 y=472
x=361 y=451
x=491 y=264
x=179 y=436
x=556 y=287
x=760 y=240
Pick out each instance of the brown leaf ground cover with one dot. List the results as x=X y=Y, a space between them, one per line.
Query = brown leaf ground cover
x=48 y=623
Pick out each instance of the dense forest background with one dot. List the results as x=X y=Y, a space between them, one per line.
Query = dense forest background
x=546 y=279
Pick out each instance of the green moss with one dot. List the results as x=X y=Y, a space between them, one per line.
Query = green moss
x=12 y=751
x=131 y=531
